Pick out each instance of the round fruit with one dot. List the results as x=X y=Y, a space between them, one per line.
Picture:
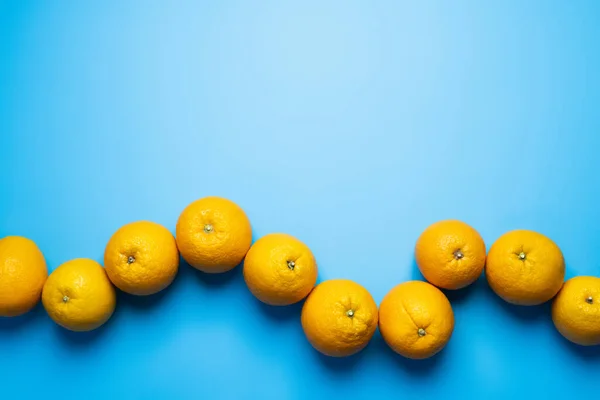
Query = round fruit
x=339 y=317
x=450 y=254
x=79 y=296
x=280 y=270
x=576 y=310
x=525 y=268
x=213 y=234
x=416 y=319
x=141 y=258
x=22 y=275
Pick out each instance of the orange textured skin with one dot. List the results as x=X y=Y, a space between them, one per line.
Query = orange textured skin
x=437 y=249
x=224 y=246
x=23 y=272
x=154 y=253
x=412 y=306
x=270 y=276
x=79 y=296
x=326 y=321
x=530 y=281
x=576 y=310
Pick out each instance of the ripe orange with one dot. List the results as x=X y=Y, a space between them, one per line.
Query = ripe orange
x=525 y=268
x=141 y=258
x=416 y=319
x=339 y=317
x=213 y=234
x=79 y=296
x=576 y=310
x=450 y=254
x=280 y=270
x=22 y=275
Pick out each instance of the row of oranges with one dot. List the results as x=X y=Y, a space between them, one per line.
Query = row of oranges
x=339 y=317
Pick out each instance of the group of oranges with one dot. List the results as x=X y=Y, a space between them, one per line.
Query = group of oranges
x=339 y=316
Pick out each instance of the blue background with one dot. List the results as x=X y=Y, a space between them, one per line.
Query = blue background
x=352 y=125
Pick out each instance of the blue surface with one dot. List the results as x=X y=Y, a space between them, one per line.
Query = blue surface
x=350 y=124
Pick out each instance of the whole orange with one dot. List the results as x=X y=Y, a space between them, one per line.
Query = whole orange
x=141 y=258
x=280 y=269
x=576 y=310
x=79 y=296
x=450 y=254
x=339 y=317
x=525 y=268
x=213 y=234
x=23 y=272
x=416 y=319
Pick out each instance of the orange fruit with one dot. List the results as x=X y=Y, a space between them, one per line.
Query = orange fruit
x=576 y=310
x=22 y=275
x=141 y=258
x=525 y=268
x=416 y=319
x=450 y=254
x=79 y=296
x=213 y=234
x=339 y=317
x=280 y=270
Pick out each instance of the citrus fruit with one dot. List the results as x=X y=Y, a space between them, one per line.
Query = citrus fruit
x=280 y=270
x=450 y=254
x=576 y=310
x=141 y=258
x=22 y=275
x=416 y=319
x=213 y=234
x=78 y=295
x=525 y=268
x=339 y=317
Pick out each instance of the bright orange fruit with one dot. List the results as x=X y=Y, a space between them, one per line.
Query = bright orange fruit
x=339 y=317
x=79 y=296
x=213 y=234
x=450 y=254
x=576 y=310
x=525 y=268
x=416 y=319
x=23 y=272
x=141 y=258
x=280 y=269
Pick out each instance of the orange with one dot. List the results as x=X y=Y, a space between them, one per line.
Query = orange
x=79 y=296
x=576 y=310
x=339 y=317
x=22 y=275
x=525 y=268
x=416 y=319
x=450 y=254
x=280 y=270
x=141 y=258
x=213 y=234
